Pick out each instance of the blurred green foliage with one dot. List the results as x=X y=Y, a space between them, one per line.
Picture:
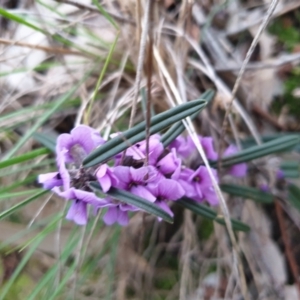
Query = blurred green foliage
x=289 y=38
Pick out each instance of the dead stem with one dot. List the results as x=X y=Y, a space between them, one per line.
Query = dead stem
x=243 y=68
x=149 y=80
x=287 y=246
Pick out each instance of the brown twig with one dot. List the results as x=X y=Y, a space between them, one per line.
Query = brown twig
x=43 y=48
x=149 y=80
x=95 y=9
x=264 y=114
x=287 y=246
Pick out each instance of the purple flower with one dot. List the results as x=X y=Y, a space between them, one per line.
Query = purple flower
x=106 y=177
x=184 y=146
x=156 y=148
x=78 y=208
x=239 y=170
x=118 y=213
x=186 y=184
x=208 y=147
x=164 y=190
x=203 y=186
x=279 y=174
x=73 y=148
x=135 y=180
x=50 y=180
x=79 y=143
x=170 y=164
x=264 y=187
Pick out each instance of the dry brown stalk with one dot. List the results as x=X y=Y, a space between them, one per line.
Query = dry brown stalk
x=287 y=246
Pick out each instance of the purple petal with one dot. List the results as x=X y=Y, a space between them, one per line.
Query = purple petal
x=83 y=196
x=63 y=145
x=77 y=213
x=83 y=135
x=101 y=171
x=207 y=144
x=105 y=183
x=230 y=150
x=139 y=175
x=264 y=187
x=163 y=205
x=210 y=195
x=50 y=180
x=202 y=177
x=97 y=139
x=123 y=219
x=170 y=190
x=135 y=152
x=111 y=216
x=239 y=170
x=279 y=174
x=170 y=163
x=184 y=146
x=156 y=148
x=188 y=188
x=127 y=207
x=142 y=192
x=123 y=174
x=63 y=172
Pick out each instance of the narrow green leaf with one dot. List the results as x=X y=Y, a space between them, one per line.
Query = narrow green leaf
x=247 y=193
x=24 y=157
x=5 y=196
x=27 y=180
x=271 y=147
x=179 y=128
x=46 y=139
x=19 y=268
x=137 y=133
x=236 y=224
x=208 y=213
x=101 y=76
x=105 y=14
x=19 y=20
x=21 y=204
x=136 y=201
x=290 y=169
x=52 y=272
x=294 y=196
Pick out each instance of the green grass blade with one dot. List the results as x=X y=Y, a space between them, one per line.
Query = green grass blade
x=294 y=196
x=21 y=204
x=24 y=157
x=291 y=169
x=105 y=14
x=236 y=224
x=19 y=268
x=51 y=273
x=103 y=72
x=137 y=133
x=206 y=212
x=46 y=139
x=5 y=196
x=271 y=147
x=247 y=193
x=136 y=201
x=27 y=180
x=19 y=20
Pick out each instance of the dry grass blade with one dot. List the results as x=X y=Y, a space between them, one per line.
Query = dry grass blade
x=141 y=57
x=245 y=62
x=240 y=276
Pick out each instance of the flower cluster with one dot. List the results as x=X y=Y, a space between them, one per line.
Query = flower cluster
x=164 y=179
